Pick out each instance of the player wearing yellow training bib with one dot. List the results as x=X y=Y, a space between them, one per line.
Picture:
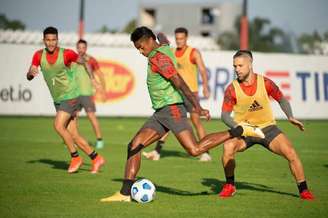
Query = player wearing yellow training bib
x=248 y=98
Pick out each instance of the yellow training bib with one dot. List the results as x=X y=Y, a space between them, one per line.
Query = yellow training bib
x=255 y=109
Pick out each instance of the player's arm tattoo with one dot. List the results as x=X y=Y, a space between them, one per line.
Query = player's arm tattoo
x=180 y=84
x=286 y=108
x=227 y=119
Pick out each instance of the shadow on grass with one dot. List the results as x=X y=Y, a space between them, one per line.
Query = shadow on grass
x=326 y=165
x=55 y=164
x=173 y=191
x=216 y=185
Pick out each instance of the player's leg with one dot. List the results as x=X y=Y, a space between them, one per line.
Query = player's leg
x=90 y=108
x=96 y=127
x=282 y=146
x=149 y=133
x=230 y=148
x=156 y=153
x=61 y=121
x=97 y=160
x=200 y=130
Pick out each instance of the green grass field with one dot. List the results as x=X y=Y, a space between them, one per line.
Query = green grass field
x=34 y=181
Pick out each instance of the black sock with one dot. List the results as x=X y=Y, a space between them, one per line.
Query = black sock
x=75 y=154
x=126 y=187
x=302 y=186
x=93 y=155
x=159 y=146
x=236 y=132
x=230 y=180
x=99 y=139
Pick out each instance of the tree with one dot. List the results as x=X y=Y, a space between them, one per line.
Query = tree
x=262 y=37
x=130 y=26
x=312 y=43
x=5 y=23
x=105 y=29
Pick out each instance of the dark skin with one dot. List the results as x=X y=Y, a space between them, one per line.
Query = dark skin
x=147 y=136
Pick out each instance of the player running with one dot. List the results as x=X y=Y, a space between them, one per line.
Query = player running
x=164 y=86
x=248 y=97
x=87 y=85
x=189 y=61
x=55 y=64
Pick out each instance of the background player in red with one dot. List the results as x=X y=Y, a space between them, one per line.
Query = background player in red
x=87 y=85
x=55 y=64
x=248 y=98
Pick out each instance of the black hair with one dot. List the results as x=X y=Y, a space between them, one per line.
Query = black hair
x=181 y=30
x=243 y=53
x=82 y=41
x=50 y=30
x=142 y=32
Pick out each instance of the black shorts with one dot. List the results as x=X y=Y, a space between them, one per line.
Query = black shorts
x=87 y=103
x=270 y=133
x=71 y=106
x=188 y=105
x=171 y=117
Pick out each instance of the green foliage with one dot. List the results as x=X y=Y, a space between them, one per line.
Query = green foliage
x=312 y=43
x=5 y=23
x=262 y=37
x=130 y=26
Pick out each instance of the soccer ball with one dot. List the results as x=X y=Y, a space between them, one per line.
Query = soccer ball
x=143 y=191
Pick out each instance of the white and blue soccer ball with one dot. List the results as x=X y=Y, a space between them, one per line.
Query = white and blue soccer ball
x=143 y=191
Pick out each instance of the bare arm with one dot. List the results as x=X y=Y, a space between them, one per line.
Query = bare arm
x=202 y=69
x=182 y=86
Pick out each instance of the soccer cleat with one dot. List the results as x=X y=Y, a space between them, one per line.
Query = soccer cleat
x=99 y=144
x=117 y=197
x=250 y=130
x=205 y=157
x=307 y=195
x=97 y=163
x=227 y=191
x=153 y=155
x=75 y=164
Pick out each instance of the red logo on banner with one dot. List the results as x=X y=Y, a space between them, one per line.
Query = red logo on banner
x=119 y=81
x=281 y=78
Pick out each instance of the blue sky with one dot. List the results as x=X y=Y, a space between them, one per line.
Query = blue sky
x=296 y=16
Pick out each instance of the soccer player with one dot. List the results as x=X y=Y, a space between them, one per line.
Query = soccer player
x=55 y=64
x=164 y=86
x=87 y=85
x=189 y=61
x=248 y=97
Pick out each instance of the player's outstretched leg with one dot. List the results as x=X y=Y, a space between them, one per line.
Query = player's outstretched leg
x=144 y=137
x=282 y=146
x=97 y=160
x=156 y=154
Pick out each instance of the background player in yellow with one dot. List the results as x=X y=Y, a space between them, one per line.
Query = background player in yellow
x=190 y=62
x=87 y=86
x=56 y=65
x=248 y=98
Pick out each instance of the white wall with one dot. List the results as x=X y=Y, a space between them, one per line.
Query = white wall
x=303 y=78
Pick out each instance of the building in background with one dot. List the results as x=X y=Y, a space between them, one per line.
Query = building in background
x=201 y=19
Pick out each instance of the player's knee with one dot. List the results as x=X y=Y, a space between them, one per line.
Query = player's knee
x=229 y=149
x=193 y=152
x=59 y=127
